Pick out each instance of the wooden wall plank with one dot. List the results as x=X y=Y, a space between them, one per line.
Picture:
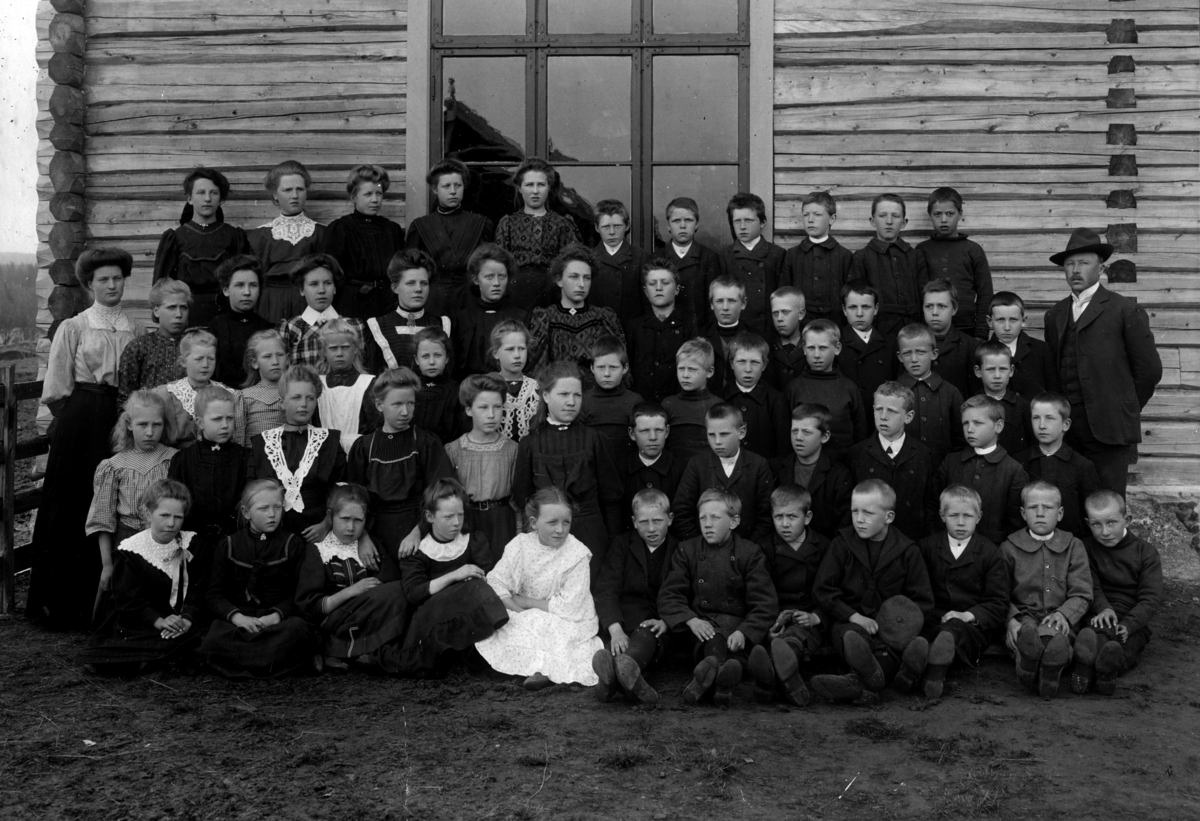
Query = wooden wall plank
x=234 y=48
x=146 y=17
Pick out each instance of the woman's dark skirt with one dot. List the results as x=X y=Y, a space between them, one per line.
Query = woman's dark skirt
x=272 y=652
x=366 y=622
x=453 y=619
x=66 y=563
x=118 y=647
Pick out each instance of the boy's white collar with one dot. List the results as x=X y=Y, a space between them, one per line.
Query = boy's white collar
x=749 y=246
x=987 y=450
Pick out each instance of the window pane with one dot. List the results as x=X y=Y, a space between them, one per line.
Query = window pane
x=696 y=108
x=483 y=108
x=490 y=17
x=587 y=110
x=588 y=16
x=585 y=185
x=710 y=186
x=695 y=16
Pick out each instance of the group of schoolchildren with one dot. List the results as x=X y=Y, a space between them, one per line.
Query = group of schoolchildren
x=755 y=455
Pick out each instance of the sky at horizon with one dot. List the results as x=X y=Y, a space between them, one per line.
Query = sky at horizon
x=18 y=127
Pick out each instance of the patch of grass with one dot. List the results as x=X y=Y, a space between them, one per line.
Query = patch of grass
x=935 y=749
x=534 y=760
x=716 y=766
x=625 y=756
x=980 y=793
x=496 y=723
x=876 y=729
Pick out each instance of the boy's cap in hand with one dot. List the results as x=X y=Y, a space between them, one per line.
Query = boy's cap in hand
x=900 y=621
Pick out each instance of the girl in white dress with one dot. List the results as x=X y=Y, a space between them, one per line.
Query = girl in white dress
x=543 y=580
x=340 y=405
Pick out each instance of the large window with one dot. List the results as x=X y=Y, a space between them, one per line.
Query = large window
x=640 y=100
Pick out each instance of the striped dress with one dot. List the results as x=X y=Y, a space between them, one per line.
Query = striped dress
x=119 y=484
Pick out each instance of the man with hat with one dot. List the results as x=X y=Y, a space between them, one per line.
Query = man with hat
x=1108 y=366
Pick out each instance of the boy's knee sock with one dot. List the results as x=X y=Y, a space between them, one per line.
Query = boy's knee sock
x=643 y=646
x=717 y=646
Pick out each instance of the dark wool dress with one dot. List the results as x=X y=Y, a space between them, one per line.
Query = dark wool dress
x=452 y=619
x=396 y=468
x=255 y=574
x=361 y=625
x=140 y=594
x=233 y=330
x=328 y=468
x=473 y=325
x=438 y=410
x=215 y=474
x=192 y=253
x=449 y=238
x=534 y=241
x=364 y=245
x=568 y=334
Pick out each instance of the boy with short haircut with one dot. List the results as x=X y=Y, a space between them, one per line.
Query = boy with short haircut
x=696 y=263
x=727 y=301
x=868 y=356
x=787 y=345
x=626 y=595
x=654 y=337
x=891 y=265
x=872 y=567
x=763 y=408
x=987 y=468
x=1051 y=590
x=951 y=255
x=616 y=280
x=1034 y=369
x=240 y=279
x=754 y=261
x=793 y=554
x=152 y=359
x=652 y=467
x=686 y=409
x=608 y=403
x=956 y=351
x=937 y=420
x=969 y=577
x=892 y=456
x=818 y=264
x=729 y=467
x=1127 y=590
x=1053 y=460
x=699 y=596
x=994 y=369
x=807 y=465
x=823 y=384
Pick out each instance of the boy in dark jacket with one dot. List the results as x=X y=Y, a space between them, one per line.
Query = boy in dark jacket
x=937 y=421
x=719 y=589
x=1052 y=459
x=652 y=467
x=899 y=460
x=823 y=384
x=695 y=263
x=893 y=267
x=793 y=555
x=951 y=255
x=956 y=350
x=867 y=564
x=868 y=356
x=763 y=408
x=608 y=403
x=994 y=369
x=986 y=467
x=686 y=409
x=626 y=595
x=1127 y=590
x=655 y=337
x=1034 y=370
x=818 y=265
x=727 y=299
x=787 y=345
x=730 y=467
x=808 y=465
x=969 y=578
x=616 y=282
x=751 y=259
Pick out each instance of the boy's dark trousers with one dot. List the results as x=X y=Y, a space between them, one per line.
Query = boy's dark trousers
x=804 y=641
x=718 y=646
x=1132 y=647
x=644 y=647
x=969 y=640
x=889 y=659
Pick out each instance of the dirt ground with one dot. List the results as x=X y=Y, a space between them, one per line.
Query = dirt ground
x=73 y=745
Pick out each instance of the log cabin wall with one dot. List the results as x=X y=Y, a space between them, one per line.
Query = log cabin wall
x=1046 y=116
x=238 y=85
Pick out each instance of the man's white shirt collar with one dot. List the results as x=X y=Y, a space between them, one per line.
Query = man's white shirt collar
x=1079 y=302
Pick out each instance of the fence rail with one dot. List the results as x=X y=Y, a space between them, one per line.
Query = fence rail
x=12 y=393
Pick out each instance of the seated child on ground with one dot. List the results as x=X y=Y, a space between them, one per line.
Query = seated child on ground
x=719 y=589
x=794 y=553
x=969 y=577
x=550 y=637
x=1127 y=589
x=1051 y=590
x=627 y=600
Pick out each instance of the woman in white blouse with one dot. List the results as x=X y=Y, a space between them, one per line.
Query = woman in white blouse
x=80 y=389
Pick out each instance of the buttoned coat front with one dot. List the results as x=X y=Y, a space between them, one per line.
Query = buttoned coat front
x=726 y=584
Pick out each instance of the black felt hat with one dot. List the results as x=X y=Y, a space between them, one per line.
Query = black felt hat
x=1082 y=241
x=900 y=621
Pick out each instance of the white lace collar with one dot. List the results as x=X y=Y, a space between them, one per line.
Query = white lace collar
x=444 y=551
x=108 y=318
x=182 y=390
x=169 y=559
x=292 y=482
x=333 y=548
x=294 y=229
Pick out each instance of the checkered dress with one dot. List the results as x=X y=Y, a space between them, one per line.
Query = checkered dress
x=304 y=342
x=147 y=362
x=119 y=485
x=262 y=409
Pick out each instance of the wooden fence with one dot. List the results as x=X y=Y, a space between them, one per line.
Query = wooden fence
x=12 y=393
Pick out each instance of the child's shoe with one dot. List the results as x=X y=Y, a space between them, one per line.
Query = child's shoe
x=1029 y=655
x=862 y=661
x=1086 y=646
x=1056 y=656
x=728 y=677
x=787 y=670
x=702 y=680
x=538 y=681
x=602 y=666
x=1109 y=662
x=837 y=688
x=912 y=665
x=941 y=656
x=629 y=676
x=335 y=664
x=763 y=673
